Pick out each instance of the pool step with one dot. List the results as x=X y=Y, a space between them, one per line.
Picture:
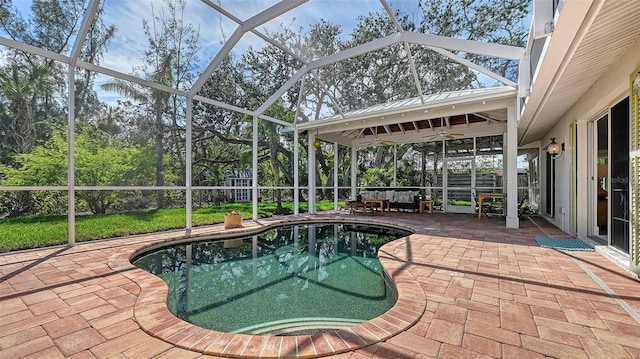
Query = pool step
x=298 y=326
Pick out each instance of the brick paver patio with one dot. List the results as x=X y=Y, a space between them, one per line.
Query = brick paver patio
x=485 y=292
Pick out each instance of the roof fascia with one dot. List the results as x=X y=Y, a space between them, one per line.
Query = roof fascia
x=475 y=130
x=439 y=112
x=474 y=47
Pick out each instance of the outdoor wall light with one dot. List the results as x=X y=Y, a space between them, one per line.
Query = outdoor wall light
x=555 y=149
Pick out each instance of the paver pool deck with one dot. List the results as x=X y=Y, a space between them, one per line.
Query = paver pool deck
x=468 y=288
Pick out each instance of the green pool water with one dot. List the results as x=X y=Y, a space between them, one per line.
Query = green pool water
x=286 y=281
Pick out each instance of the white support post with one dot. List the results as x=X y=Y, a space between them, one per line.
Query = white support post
x=296 y=171
x=511 y=168
x=354 y=172
x=71 y=175
x=254 y=172
x=335 y=176
x=395 y=166
x=311 y=158
x=188 y=164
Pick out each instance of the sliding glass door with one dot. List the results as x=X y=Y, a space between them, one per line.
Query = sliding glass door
x=619 y=198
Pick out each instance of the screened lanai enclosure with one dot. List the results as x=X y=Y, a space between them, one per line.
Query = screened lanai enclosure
x=112 y=106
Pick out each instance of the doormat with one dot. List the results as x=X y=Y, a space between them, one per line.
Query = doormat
x=568 y=244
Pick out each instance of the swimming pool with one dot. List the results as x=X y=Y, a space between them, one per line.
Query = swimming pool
x=289 y=280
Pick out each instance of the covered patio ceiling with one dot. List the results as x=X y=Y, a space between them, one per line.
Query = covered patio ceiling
x=458 y=114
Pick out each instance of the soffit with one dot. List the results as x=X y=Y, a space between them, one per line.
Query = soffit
x=612 y=32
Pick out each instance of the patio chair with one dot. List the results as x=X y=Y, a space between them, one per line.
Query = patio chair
x=488 y=207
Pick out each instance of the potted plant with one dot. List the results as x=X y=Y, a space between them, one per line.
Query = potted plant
x=232 y=219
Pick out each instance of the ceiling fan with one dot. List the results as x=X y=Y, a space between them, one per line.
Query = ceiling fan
x=376 y=141
x=443 y=135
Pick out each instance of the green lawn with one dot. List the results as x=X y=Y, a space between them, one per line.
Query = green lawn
x=42 y=231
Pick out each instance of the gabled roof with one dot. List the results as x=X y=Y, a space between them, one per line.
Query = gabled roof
x=474 y=112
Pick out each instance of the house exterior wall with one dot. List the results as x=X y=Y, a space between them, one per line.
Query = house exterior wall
x=612 y=87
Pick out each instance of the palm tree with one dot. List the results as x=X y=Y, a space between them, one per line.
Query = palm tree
x=20 y=88
x=21 y=85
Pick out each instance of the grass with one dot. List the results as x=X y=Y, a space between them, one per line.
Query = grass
x=43 y=231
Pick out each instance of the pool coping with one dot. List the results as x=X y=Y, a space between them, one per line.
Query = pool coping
x=153 y=316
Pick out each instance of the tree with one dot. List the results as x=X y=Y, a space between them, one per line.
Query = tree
x=52 y=26
x=493 y=21
x=169 y=61
x=273 y=144
x=20 y=88
x=98 y=163
x=33 y=87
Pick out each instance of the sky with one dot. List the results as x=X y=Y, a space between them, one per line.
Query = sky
x=214 y=28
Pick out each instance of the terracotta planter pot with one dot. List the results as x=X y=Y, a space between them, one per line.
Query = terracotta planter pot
x=232 y=220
